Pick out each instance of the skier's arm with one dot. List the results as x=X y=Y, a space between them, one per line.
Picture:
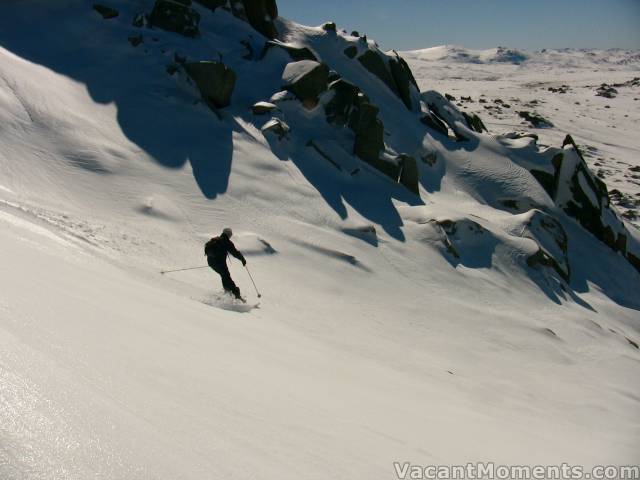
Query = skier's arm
x=234 y=251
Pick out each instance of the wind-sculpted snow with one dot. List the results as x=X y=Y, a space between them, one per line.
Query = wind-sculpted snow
x=428 y=288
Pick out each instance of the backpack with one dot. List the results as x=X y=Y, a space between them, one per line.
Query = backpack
x=212 y=246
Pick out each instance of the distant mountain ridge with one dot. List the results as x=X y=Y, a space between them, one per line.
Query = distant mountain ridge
x=569 y=56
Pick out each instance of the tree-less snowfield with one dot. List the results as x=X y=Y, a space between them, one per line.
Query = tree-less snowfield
x=372 y=343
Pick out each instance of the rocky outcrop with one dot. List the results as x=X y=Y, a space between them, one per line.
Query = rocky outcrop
x=441 y=115
x=375 y=63
x=306 y=79
x=261 y=15
x=344 y=97
x=369 y=131
x=409 y=173
x=403 y=79
x=175 y=16
x=214 y=80
x=392 y=70
x=583 y=196
x=552 y=241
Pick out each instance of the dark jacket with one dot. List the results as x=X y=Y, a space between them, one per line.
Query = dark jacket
x=223 y=246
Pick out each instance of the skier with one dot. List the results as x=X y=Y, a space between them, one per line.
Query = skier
x=216 y=251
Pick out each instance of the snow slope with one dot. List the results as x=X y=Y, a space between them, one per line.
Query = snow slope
x=367 y=348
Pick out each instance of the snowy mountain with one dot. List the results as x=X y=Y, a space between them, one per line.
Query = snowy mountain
x=432 y=291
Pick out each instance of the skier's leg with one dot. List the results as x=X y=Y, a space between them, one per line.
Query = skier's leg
x=228 y=283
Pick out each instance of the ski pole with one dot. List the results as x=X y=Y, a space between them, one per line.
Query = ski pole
x=254 y=283
x=162 y=272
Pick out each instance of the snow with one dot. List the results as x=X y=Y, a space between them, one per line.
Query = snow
x=371 y=344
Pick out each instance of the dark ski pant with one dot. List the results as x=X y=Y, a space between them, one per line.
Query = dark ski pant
x=222 y=270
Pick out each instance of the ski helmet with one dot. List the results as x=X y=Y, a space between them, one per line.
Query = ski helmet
x=227 y=231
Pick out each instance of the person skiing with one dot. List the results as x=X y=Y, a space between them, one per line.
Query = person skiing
x=216 y=251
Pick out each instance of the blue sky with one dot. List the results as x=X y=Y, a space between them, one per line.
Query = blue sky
x=528 y=24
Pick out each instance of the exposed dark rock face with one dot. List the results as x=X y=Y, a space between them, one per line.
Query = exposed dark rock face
x=176 y=17
x=474 y=122
x=374 y=62
x=403 y=79
x=106 y=12
x=442 y=114
x=296 y=53
x=261 y=14
x=306 y=79
x=351 y=51
x=369 y=132
x=537 y=121
x=409 y=173
x=345 y=97
x=583 y=196
x=329 y=27
x=433 y=121
x=214 y=80
x=552 y=241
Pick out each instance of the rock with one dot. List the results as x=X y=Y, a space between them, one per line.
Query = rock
x=351 y=51
x=552 y=241
x=329 y=27
x=355 y=34
x=432 y=121
x=369 y=132
x=262 y=108
x=276 y=127
x=261 y=15
x=306 y=79
x=537 y=121
x=409 y=173
x=214 y=80
x=430 y=158
x=474 y=122
x=106 y=12
x=176 y=17
x=606 y=91
x=212 y=4
x=344 y=98
x=447 y=112
x=451 y=98
x=374 y=62
x=404 y=80
x=296 y=53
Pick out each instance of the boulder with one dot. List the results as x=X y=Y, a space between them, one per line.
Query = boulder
x=106 y=12
x=374 y=62
x=306 y=79
x=297 y=53
x=369 y=132
x=175 y=16
x=403 y=79
x=329 y=27
x=409 y=173
x=433 y=121
x=344 y=96
x=261 y=15
x=536 y=121
x=214 y=80
x=474 y=122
